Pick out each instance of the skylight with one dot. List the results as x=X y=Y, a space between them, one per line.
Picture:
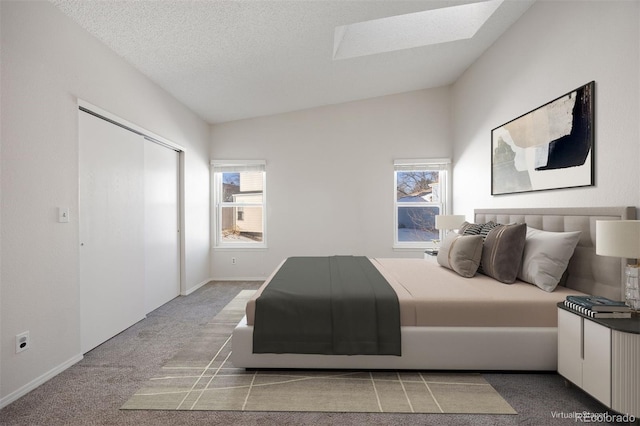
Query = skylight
x=412 y=30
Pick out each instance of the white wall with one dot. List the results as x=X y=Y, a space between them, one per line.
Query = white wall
x=554 y=48
x=330 y=174
x=48 y=62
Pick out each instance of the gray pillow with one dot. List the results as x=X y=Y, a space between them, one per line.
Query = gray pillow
x=461 y=253
x=546 y=256
x=502 y=252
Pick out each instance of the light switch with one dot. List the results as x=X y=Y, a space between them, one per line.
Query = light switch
x=63 y=214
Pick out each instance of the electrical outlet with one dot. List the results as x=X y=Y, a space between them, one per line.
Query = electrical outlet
x=22 y=342
x=233 y=261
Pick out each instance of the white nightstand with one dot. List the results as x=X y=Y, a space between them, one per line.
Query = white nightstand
x=602 y=357
x=430 y=257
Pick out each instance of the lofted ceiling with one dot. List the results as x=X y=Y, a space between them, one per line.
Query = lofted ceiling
x=229 y=60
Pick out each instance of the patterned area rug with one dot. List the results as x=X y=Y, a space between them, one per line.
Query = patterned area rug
x=200 y=377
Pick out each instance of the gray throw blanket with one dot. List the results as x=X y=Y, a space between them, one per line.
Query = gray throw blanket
x=339 y=305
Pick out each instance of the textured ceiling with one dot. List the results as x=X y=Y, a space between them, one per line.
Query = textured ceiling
x=228 y=60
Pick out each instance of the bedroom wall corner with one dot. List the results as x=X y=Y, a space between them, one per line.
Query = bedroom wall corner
x=48 y=62
x=527 y=67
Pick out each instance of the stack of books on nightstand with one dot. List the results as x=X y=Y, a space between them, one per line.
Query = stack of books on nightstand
x=598 y=307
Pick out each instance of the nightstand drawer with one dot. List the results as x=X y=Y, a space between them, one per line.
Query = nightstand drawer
x=596 y=361
x=602 y=357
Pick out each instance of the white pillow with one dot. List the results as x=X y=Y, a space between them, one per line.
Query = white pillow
x=546 y=256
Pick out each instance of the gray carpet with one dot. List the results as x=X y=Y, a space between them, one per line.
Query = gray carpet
x=92 y=391
x=201 y=377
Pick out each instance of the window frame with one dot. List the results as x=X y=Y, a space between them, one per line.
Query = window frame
x=442 y=165
x=218 y=167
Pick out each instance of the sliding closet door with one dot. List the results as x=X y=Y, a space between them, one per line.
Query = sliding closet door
x=162 y=238
x=111 y=220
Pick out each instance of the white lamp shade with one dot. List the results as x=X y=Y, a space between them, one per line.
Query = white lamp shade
x=618 y=238
x=449 y=221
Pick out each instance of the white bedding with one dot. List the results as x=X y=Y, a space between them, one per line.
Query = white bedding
x=467 y=324
x=431 y=295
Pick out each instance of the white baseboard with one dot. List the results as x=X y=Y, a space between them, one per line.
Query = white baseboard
x=207 y=281
x=239 y=279
x=197 y=286
x=17 y=394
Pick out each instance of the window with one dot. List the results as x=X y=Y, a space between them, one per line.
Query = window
x=421 y=193
x=239 y=203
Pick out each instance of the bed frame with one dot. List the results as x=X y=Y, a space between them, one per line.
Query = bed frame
x=477 y=348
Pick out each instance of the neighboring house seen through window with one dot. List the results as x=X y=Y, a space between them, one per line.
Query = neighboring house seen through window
x=239 y=201
x=421 y=194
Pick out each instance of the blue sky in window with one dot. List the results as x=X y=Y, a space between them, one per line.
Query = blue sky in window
x=231 y=178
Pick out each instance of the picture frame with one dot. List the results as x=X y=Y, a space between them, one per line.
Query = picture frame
x=550 y=147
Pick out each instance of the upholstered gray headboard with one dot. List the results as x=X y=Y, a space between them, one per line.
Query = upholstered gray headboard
x=588 y=272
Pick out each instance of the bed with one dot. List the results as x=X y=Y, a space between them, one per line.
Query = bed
x=473 y=323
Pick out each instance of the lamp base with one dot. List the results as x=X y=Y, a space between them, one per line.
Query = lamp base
x=632 y=290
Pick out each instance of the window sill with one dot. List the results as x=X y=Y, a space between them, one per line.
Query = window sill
x=410 y=249
x=240 y=248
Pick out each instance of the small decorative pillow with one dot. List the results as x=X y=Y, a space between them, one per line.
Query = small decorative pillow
x=470 y=228
x=461 y=253
x=502 y=252
x=477 y=228
x=546 y=256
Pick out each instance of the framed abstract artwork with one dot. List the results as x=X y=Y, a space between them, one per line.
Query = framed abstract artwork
x=550 y=147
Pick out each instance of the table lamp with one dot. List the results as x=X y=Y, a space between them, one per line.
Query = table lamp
x=621 y=238
x=447 y=222
x=444 y=222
